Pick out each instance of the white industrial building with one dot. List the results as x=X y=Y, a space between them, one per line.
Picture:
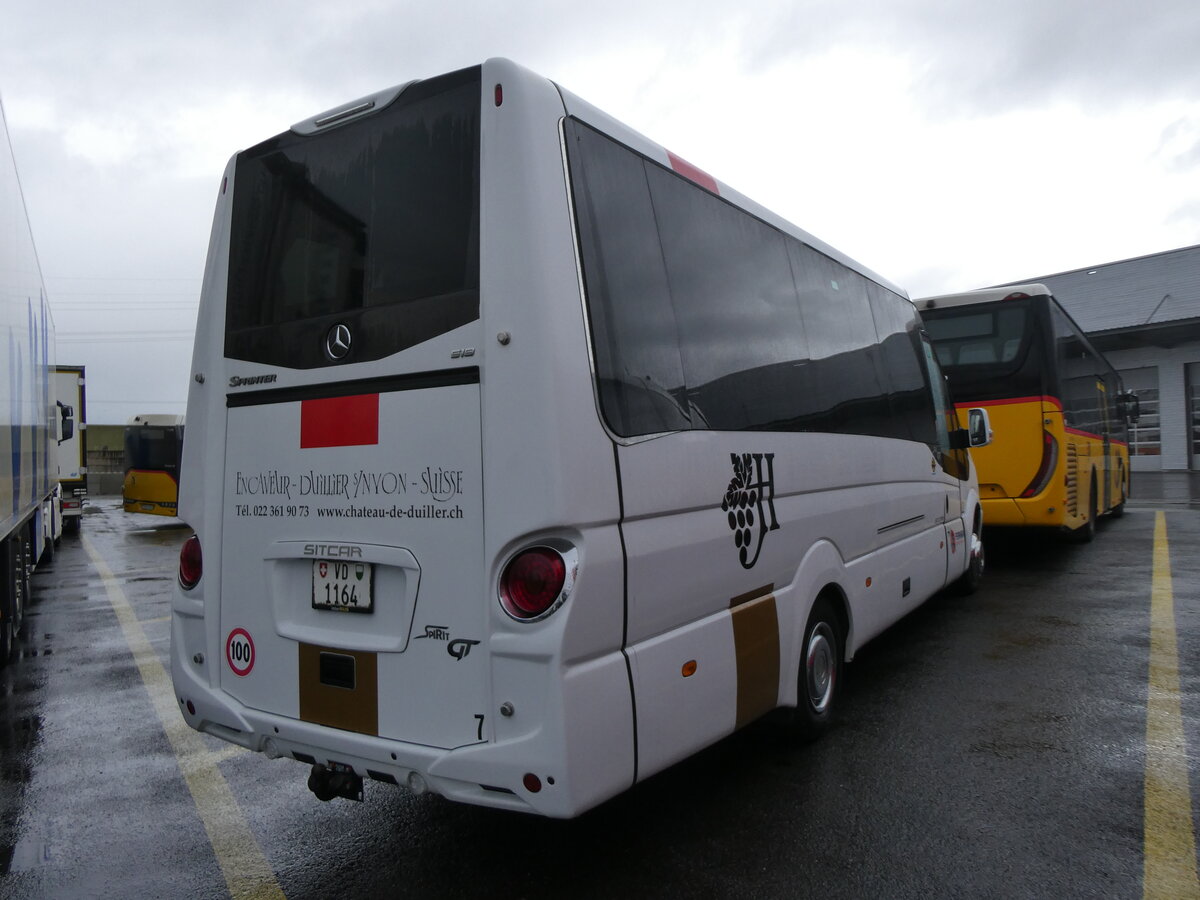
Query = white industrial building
x=1144 y=315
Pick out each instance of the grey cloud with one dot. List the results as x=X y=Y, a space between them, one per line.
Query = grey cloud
x=1179 y=146
x=987 y=58
x=1187 y=216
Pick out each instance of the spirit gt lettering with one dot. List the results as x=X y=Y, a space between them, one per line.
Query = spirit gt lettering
x=436 y=632
x=460 y=647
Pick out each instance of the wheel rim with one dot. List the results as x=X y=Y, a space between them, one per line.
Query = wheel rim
x=821 y=667
x=977 y=558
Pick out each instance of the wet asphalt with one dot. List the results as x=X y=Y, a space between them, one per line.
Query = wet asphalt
x=989 y=746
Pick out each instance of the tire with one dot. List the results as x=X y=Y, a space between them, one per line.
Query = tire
x=1086 y=533
x=1118 y=509
x=968 y=583
x=24 y=583
x=821 y=671
x=6 y=640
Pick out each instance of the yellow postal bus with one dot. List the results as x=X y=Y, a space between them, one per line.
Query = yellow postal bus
x=153 y=448
x=1060 y=456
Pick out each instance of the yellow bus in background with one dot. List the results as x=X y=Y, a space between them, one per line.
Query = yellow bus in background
x=153 y=449
x=1060 y=457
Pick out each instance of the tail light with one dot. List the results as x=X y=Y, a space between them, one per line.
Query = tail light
x=536 y=582
x=191 y=563
x=1045 y=469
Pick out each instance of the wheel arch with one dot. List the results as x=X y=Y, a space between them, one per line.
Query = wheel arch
x=820 y=575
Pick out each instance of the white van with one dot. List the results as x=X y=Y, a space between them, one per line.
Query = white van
x=526 y=459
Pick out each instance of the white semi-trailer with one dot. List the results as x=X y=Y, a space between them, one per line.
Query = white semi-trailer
x=70 y=394
x=30 y=424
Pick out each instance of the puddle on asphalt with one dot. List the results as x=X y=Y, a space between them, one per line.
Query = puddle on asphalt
x=18 y=739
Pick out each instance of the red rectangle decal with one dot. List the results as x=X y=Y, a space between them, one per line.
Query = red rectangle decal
x=699 y=176
x=340 y=421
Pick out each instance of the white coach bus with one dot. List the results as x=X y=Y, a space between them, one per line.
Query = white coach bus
x=525 y=459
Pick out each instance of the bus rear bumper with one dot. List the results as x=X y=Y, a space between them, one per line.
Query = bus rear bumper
x=550 y=767
x=1003 y=511
x=1035 y=512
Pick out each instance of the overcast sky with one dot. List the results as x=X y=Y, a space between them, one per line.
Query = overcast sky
x=946 y=145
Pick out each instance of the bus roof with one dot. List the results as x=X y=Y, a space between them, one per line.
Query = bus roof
x=987 y=295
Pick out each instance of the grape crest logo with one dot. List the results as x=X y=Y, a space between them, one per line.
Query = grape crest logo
x=750 y=503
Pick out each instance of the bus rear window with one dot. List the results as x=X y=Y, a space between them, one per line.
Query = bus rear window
x=373 y=224
x=966 y=336
x=152 y=448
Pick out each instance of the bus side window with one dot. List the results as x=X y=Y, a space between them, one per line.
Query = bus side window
x=953 y=459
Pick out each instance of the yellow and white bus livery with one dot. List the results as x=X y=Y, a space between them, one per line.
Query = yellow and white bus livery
x=525 y=459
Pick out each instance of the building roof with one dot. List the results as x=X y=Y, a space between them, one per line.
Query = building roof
x=1156 y=296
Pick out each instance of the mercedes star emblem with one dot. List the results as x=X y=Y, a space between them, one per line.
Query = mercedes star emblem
x=337 y=341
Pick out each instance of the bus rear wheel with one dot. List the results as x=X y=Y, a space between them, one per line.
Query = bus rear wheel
x=968 y=583
x=821 y=668
x=1118 y=509
x=1086 y=532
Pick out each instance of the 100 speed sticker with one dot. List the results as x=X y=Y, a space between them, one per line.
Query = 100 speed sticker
x=239 y=651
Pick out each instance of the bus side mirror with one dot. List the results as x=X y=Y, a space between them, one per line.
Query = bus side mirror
x=1131 y=407
x=66 y=417
x=978 y=432
x=979 y=428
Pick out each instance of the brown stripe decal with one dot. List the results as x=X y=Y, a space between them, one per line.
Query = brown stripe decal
x=756 y=643
x=339 y=688
x=752 y=595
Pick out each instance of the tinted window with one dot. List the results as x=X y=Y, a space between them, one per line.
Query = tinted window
x=968 y=336
x=734 y=304
x=152 y=447
x=844 y=383
x=913 y=416
x=1084 y=394
x=634 y=335
x=373 y=223
x=704 y=316
x=989 y=351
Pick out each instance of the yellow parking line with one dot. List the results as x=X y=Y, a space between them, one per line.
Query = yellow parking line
x=1170 y=841
x=246 y=870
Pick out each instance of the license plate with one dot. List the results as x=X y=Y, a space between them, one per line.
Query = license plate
x=344 y=586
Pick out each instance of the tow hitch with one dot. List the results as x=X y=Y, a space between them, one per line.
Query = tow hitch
x=338 y=781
